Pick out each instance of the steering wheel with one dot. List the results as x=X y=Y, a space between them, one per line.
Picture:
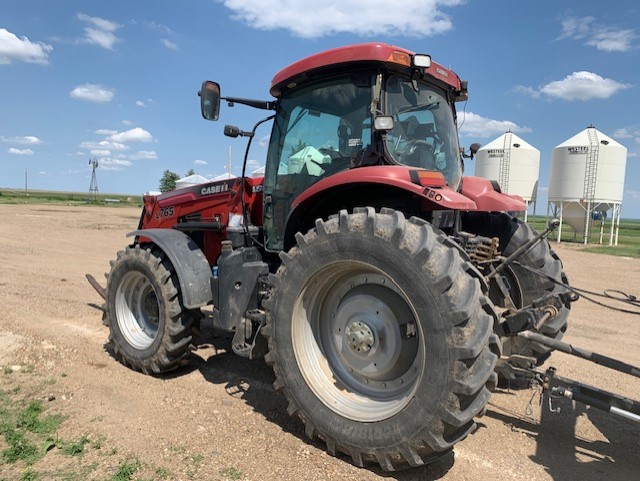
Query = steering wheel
x=419 y=153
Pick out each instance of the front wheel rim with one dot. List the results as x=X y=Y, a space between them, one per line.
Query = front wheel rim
x=357 y=341
x=137 y=310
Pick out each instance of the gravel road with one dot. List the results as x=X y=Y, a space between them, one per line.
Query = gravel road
x=220 y=418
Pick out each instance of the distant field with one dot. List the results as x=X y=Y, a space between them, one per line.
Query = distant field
x=628 y=236
x=19 y=196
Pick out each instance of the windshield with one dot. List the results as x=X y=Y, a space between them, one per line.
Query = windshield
x=424 y=133
x=317 y=130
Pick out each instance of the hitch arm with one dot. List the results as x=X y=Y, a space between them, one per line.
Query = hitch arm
x=605 y=361
x=621 y=406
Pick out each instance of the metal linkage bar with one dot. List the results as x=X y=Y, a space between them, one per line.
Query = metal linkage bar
x=522 y=249
x=591 y=396
x=605 y=361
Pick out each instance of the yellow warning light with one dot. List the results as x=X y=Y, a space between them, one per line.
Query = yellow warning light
x=402 y=58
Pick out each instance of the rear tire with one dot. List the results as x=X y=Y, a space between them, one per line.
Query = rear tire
x=149 y=329
x=525 y=285
x=380 y=337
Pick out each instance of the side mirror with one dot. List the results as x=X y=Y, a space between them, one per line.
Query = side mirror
x=210 y=100
x=473 y=148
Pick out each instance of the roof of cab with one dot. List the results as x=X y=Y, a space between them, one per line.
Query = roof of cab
x=364 y=52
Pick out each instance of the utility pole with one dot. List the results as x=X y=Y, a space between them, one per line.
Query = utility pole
x=26 y=185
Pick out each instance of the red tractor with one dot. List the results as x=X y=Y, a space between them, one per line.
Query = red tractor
x=380 y=284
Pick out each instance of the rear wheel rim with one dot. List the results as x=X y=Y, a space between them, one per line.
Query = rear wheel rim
x=357 y=341
x=137 y=310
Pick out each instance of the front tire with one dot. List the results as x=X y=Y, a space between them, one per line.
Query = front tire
x=149 y=329
x=380 y=337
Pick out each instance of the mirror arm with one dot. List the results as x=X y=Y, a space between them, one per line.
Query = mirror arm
x=258 y=104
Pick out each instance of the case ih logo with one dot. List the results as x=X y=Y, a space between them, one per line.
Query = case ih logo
x=583 y=149
x=444 y=73
x=214 y=189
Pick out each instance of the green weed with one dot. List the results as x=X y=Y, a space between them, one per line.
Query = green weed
x=29 y=419
x=231 y=473
x=75 y=448
x=29 y=475
x=20 y=448
x=163 y=473
x=126 y=470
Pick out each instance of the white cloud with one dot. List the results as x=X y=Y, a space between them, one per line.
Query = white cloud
x=160 y=27
x=109 y=163
x=105 y=132
x=576 y=27
x=474 y=125
x=200 y=162
x=419 y=18
x=22 y=49
x=100 y=23
x=633 y=194
x=144 y=155
x=100 y=152
x=612 y=40
x=140 y=103
x=92 y=93
x=133 y=135
x=632 y=132
x=169 y=44
x=22 y=140
x=103 y=144
x=127 y=122
x=577 y=86
x=605 y=38
x=101 y=31
x=15 y=151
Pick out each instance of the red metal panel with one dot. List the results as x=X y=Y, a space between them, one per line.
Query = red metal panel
x=372 y=52
x=390 y=175
x=487 y=199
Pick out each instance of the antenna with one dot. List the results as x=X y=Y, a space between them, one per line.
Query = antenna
x=93 y=186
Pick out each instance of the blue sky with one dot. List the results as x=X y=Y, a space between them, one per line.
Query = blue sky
x=117 y=80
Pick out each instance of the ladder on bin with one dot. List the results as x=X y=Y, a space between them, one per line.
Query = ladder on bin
x=590 y=178
x=505 y=166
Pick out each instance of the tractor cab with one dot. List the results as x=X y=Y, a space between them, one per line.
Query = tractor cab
x=359 y=106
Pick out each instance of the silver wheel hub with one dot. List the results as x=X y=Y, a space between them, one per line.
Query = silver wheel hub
x=359 y=337
x=137 y=310
x=357 y=342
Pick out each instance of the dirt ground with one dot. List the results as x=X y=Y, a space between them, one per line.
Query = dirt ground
x=220 y=418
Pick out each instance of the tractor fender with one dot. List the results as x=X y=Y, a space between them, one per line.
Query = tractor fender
x=488 y=198
x=191 y=266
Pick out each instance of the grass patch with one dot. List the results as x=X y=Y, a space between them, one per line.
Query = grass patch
x=29 y=419
x=126 y=470
x=163 y=473
x=20 y=448
x=19 y=196
x=231 y=473
x=29 y=475
x=75 y=448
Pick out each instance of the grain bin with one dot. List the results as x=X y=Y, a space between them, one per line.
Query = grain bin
x=587 y=182
x=513 y=163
